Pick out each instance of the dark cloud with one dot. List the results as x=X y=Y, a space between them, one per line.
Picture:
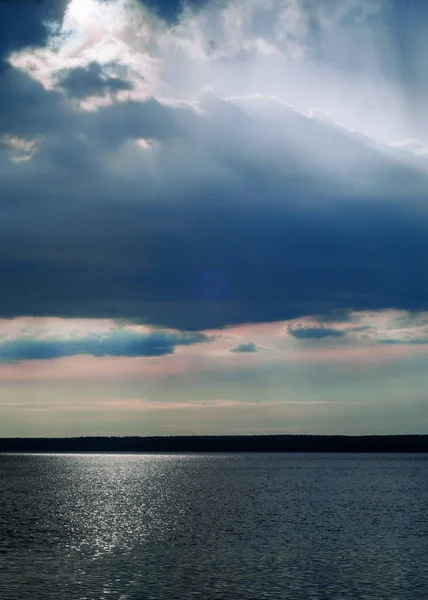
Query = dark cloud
x=116 y=343
x=250 y=347
x=335 y=316
x=170 y=10
x=24 y=23
x=27 y=109
x=302 y=332
x=131 y=120
x=411 y=341
x=83 y=82
x=227 y=219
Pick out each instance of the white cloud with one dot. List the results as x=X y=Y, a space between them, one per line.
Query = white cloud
x=20 y=149
x=239 y=48
x=114 y=34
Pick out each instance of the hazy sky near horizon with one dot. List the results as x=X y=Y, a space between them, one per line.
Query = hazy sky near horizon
x=213 y=217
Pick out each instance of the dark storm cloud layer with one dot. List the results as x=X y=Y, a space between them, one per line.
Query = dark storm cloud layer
x=259 y=236
x=116 y=343
x=228 y=218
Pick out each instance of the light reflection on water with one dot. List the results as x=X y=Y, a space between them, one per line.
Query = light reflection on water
x=213 y=526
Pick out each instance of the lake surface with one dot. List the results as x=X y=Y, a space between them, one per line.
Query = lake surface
x=284 y=526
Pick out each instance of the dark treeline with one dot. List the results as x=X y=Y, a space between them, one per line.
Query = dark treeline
x=222 y=443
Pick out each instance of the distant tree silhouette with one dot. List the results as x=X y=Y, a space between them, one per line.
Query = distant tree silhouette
x=221 y=443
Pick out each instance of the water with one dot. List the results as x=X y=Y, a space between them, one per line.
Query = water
x=139 y=527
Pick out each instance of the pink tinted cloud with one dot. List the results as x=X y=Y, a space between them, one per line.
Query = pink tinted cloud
x=90 y=367
x=359 y=354
x=144 y=404
x=191 y=361
x=273 y=348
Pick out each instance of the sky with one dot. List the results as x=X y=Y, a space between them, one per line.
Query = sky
x=213 y=217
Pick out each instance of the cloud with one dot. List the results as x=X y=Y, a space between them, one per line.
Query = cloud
x=314 y=333
x=119 y=123
x=193 y=209
x=114 y=343
x=25 y=24
x=248 y=347
x=410 y=341
x=83 y=82
x=335 y=316
x=202 y=230
x=27 y=109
